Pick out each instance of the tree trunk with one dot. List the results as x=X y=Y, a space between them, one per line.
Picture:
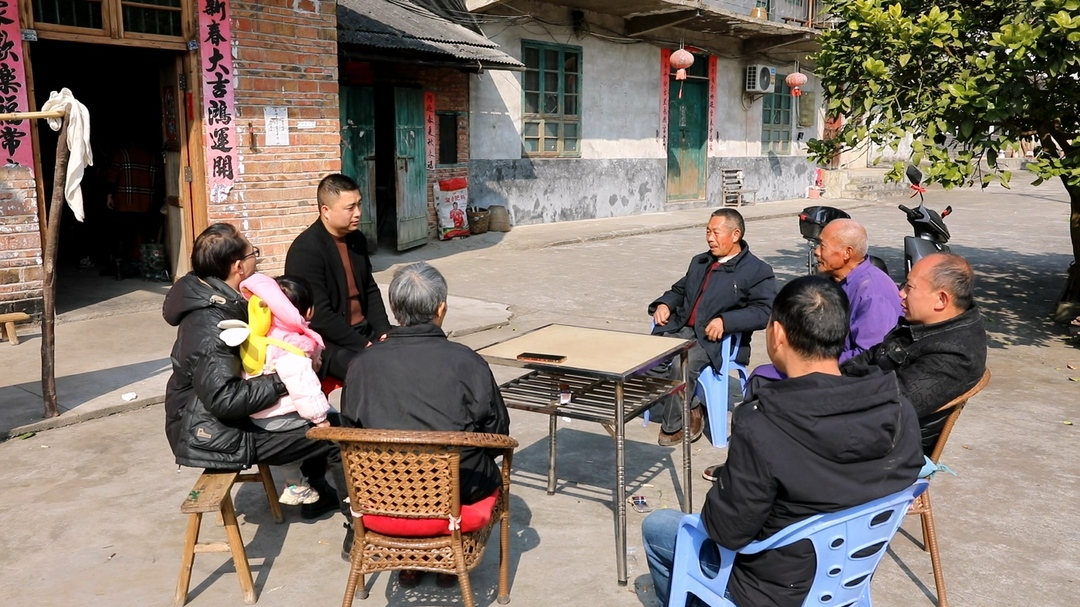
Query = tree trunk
x=52 y=240
x=1069 y=304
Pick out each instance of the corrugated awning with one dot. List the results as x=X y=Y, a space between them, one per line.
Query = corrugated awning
x=403 y=26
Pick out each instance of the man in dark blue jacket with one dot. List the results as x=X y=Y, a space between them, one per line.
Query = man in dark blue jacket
x=725 y=290
x=817 y=441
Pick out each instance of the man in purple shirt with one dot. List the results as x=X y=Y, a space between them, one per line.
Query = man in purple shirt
x=872 y=295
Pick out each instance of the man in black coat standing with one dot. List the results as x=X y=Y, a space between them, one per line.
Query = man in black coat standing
x=332 y=256
x=726 y=290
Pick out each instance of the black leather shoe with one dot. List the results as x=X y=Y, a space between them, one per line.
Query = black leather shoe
x=328 y=502
x=346 y=545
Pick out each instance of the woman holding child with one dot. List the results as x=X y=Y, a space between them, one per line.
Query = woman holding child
x=209 y=400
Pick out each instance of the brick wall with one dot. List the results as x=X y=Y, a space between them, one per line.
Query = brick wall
x=451 y=88
x=21 y=271
x=286 y=56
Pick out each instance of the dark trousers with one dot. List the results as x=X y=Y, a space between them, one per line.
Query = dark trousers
x=315 y=456
x=672 y=420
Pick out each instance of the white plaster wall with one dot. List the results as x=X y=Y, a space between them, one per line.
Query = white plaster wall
x=495 y=114
x=620 y=95
x=737 y=128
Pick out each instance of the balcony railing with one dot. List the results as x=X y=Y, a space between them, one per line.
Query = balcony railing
x=805 y=13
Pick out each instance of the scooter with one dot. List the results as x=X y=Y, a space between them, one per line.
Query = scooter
x=931 y=233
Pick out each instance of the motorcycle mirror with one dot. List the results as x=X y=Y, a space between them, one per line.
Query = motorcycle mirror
x=914 y=175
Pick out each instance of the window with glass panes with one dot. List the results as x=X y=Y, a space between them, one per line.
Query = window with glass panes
x=154 y=18
x=551 y=99
x=776 y=119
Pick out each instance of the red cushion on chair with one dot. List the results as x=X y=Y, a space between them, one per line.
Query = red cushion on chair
x=473 y=517
x=329 y=384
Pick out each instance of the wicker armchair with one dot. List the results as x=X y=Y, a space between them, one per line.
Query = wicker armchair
x=921 y=505
x=415 y=475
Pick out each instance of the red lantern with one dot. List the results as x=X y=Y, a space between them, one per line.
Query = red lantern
x=681 y=60
x=795 y=80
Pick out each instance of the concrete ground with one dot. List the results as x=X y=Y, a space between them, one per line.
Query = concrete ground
x=91 y=514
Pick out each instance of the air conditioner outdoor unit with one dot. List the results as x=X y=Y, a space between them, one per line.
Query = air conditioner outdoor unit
x=760 y=79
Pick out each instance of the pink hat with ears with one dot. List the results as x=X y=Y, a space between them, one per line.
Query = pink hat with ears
x=285 y=314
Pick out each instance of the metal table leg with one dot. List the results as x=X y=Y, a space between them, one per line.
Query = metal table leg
x=553 y=422
x=687 y=394
x=620 y=484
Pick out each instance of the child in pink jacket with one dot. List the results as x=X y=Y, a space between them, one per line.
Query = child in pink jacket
x=293 y=352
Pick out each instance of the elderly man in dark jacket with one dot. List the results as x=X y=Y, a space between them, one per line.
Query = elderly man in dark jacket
x=207 y=400
x=818 y=441
x=416 y=379
x=332 y=256
x=938 y=350
x=726 y=290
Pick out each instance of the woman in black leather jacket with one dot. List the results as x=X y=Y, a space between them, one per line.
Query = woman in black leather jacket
x=207 y=400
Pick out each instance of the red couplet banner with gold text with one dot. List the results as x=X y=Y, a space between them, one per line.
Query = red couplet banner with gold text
x=665 y=90
x=219 y=100
x=429 y=128
x=15 y=147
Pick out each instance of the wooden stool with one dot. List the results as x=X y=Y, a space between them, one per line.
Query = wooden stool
x=7 y=325
x=213 y=493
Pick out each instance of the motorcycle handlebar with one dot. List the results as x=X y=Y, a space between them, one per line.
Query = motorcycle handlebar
x=906 y=210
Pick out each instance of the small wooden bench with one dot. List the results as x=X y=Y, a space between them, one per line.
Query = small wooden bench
x=7 y=325
x=213 y=493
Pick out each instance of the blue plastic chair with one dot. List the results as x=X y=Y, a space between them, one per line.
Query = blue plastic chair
x=712 y=389
x=849 y=545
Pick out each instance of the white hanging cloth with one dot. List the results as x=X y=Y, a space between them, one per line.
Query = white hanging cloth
x=78 y=140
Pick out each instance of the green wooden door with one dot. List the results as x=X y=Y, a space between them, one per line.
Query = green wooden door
x=358 y=152
x=688 y=125
x=411 y=154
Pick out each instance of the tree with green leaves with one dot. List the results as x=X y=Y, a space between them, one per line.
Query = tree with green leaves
x=967 y=79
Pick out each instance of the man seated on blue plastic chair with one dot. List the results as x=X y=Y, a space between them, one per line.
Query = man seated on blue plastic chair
x=817 y=441
x=725 y=290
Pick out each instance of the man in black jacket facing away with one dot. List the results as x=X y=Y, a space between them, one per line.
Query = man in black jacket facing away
x=417 y=379
x=207 y=400
x=726 y=290
x=815 y=442
x=332 y=256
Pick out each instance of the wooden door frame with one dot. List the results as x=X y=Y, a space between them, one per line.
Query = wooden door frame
x=705 y=143
x=192 y=154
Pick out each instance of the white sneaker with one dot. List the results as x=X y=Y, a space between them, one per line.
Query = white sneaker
x=294 y=495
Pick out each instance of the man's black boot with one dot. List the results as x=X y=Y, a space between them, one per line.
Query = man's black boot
x=346 y=545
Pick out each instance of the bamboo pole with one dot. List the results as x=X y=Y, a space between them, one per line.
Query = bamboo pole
x=52 y=240
x=31 y=115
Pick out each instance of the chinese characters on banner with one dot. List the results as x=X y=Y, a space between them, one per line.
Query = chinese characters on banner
x=219 y=103
x=665 y=92
x=712 y=135
x=429 y=128
x=15 y=148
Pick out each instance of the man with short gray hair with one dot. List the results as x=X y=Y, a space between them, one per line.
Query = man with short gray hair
x=416 y=379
